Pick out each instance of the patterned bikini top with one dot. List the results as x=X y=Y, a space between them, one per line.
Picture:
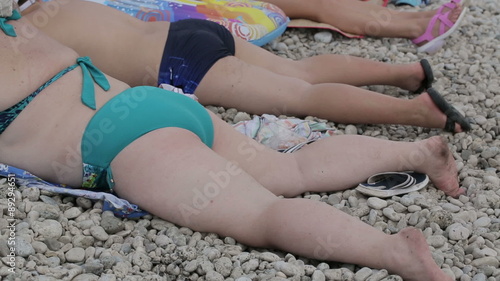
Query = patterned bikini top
x=90 y=75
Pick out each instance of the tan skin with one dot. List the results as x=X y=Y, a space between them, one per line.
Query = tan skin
x=362 y=18
x=255 y=80
x=246 y=207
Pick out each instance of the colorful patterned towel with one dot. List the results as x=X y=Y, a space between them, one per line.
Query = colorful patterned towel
x=255 y=21
x=120 y=207
x=284 y=135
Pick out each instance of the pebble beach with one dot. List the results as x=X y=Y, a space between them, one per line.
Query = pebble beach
x=66 y=238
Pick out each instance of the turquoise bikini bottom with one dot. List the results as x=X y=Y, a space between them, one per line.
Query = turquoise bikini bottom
x=128 y=116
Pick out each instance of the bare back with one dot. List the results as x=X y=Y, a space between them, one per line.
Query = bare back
x=82 y=24
x=48 y=130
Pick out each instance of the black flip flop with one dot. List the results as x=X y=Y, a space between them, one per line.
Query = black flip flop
x=452 y=114
x=428 y=76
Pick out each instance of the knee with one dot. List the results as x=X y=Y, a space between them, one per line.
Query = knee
x=298 y=177
x=292 y=180
x=303 y=100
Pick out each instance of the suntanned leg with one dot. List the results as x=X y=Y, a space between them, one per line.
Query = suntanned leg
x=361 y=18
x=316 y=167
x=333 y=68
x=174 y=181
x=257 y=90
x=124 y=34
x=355 y=17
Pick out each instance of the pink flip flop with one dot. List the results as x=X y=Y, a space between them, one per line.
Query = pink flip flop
x=435 y=43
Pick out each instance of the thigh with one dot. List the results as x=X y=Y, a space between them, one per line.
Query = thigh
x=232 y=82
x=260 y=57
x=278 y=172
x=172 y=174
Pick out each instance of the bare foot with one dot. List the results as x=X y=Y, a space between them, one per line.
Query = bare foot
x=453 y=15
x=440 y=166
x=429 y=115
x=415 y=77
x=419 y=76
x=413 y=260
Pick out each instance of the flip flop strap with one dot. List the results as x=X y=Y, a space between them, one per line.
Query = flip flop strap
x=449 y=125
x=445 y=22
x=427 y=36
x=443 y=19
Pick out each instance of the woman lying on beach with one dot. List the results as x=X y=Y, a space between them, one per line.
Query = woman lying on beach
x=364 y=18
x=204 y=59
x=165 y=151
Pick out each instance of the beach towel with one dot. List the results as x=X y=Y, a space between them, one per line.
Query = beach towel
x=284 y=135
x=120 y=207
x=5 y=8
x=255 y=21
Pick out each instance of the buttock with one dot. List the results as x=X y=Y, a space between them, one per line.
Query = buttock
x=130 y=115
x=193 y=46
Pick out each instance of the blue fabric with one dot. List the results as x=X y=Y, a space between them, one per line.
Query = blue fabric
x=130 y=115
x=271 y=35
x=414 y=3
x=120 y=207
x=193 y=46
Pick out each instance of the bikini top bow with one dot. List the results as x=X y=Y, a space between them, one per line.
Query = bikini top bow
x=91 y=74
x=8 y=28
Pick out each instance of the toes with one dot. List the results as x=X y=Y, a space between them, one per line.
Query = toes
x=456 y=192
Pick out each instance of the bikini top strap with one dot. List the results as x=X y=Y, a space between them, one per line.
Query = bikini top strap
x=7 y=28
x=91 y=74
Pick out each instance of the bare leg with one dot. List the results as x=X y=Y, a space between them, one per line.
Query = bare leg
x=359 y=17
x=333 y=68
x=175 y=181
x=316 y=167
x=141 y=69
x=246 y=87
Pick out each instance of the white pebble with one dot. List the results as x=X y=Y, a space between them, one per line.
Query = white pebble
x=391 y=214
x=351 y=130
x=482 y=222
x=376 y=203
x=323 y=37
x=48 y=228
x=99 y=233
x=75 y=255
x=457 y=232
